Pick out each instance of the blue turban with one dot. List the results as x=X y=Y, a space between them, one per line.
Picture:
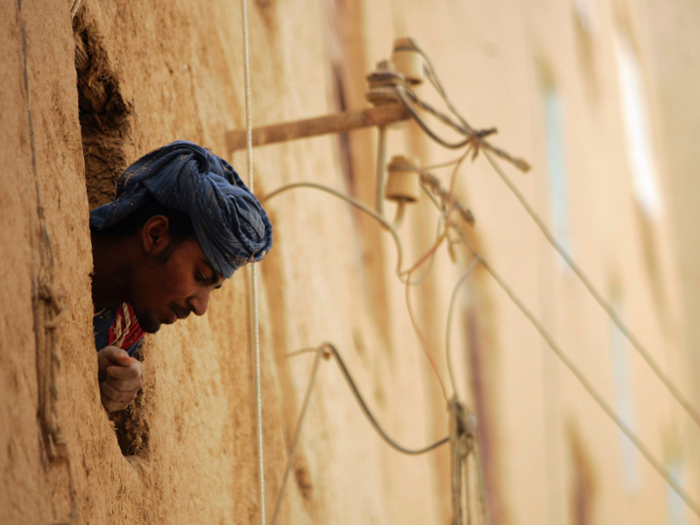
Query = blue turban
x=231 y=225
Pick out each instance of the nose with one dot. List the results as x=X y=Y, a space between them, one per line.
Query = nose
x=199 y=302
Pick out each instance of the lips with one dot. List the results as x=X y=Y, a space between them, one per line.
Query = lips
x=171 y=318
x=180 y=314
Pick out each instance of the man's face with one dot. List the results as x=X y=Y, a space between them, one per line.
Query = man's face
x=164 y=291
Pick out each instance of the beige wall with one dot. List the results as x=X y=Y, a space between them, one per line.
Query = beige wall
x=551 y=455
x=675 y=66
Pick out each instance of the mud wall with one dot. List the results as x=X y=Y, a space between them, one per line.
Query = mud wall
x=84 y=97
x=144 y=75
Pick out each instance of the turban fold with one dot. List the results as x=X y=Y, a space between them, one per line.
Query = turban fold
x=231 y=225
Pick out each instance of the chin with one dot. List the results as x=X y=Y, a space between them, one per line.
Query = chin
x=148 y=323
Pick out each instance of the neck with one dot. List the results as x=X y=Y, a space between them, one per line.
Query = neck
x=110 y=275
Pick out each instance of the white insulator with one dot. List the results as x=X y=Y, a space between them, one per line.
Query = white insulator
x=403 y=183
x=408 y=61
x=380 y=96
x=381 y=84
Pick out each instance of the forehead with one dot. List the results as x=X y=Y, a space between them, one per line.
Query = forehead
x=190 y=250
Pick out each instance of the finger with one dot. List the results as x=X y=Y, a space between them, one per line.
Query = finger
x=133 y=371
x=125 y=385
x=116 y=355
x=124 y=359
x=115 y=395
x=112 y=406
x=112 y=393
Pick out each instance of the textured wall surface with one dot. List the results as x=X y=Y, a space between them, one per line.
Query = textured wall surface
x=147 y=73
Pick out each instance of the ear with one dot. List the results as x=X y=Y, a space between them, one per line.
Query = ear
x=155 y=234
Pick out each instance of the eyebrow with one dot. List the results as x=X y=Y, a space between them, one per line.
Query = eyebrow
x=215 y=276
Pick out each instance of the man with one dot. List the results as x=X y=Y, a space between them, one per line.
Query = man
x=182 y=223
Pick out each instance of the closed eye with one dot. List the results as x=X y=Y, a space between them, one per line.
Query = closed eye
x=216 y=279
x=201 y=278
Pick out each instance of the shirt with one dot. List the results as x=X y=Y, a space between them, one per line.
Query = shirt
x=117 y=326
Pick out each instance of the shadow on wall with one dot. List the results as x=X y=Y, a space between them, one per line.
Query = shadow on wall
x=583 y=484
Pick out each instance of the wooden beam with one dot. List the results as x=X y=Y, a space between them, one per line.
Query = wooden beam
x=338 y=123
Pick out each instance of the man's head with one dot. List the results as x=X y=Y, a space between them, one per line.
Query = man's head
x=168 y=276
x=190 y=222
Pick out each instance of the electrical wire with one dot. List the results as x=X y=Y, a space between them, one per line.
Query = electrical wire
x=445 y=119
x=466 y=489
x=435 y=81
x=414 y=323
x=447 y=164
x=485 y=519
x=326 y=350
x=404 y=96
x=473 y=142
x=350 y=200
x=458 y=165
x=475 y=138
x=253 y=268
x=427 y=256
x=397 y=240
x=300 y=420
x=607 y=307
x=588 y=387
x=368 y=414
x=389 y=227
x=473 y=264
x=418 y=280
x=381 y=171
x=478 y=258
x=401 y=93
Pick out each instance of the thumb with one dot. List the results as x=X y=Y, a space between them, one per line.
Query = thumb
x=123 y=358
x=117 y=356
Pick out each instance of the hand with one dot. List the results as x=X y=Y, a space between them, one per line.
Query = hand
x=120 y=377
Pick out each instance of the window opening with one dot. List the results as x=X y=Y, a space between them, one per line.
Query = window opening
x=103 y=116
x=556 y=170
x=675 y=508
x=624 y=401
x=637 y=128
x=641 y=159
x=586 y=15
x=104 y=124
x=583 y=484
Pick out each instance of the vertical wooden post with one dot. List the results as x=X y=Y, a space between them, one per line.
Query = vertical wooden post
x=458 y=454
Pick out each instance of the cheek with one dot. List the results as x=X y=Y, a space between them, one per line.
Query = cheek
x=170 y=284
x=175 y=281
x=160 y=284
